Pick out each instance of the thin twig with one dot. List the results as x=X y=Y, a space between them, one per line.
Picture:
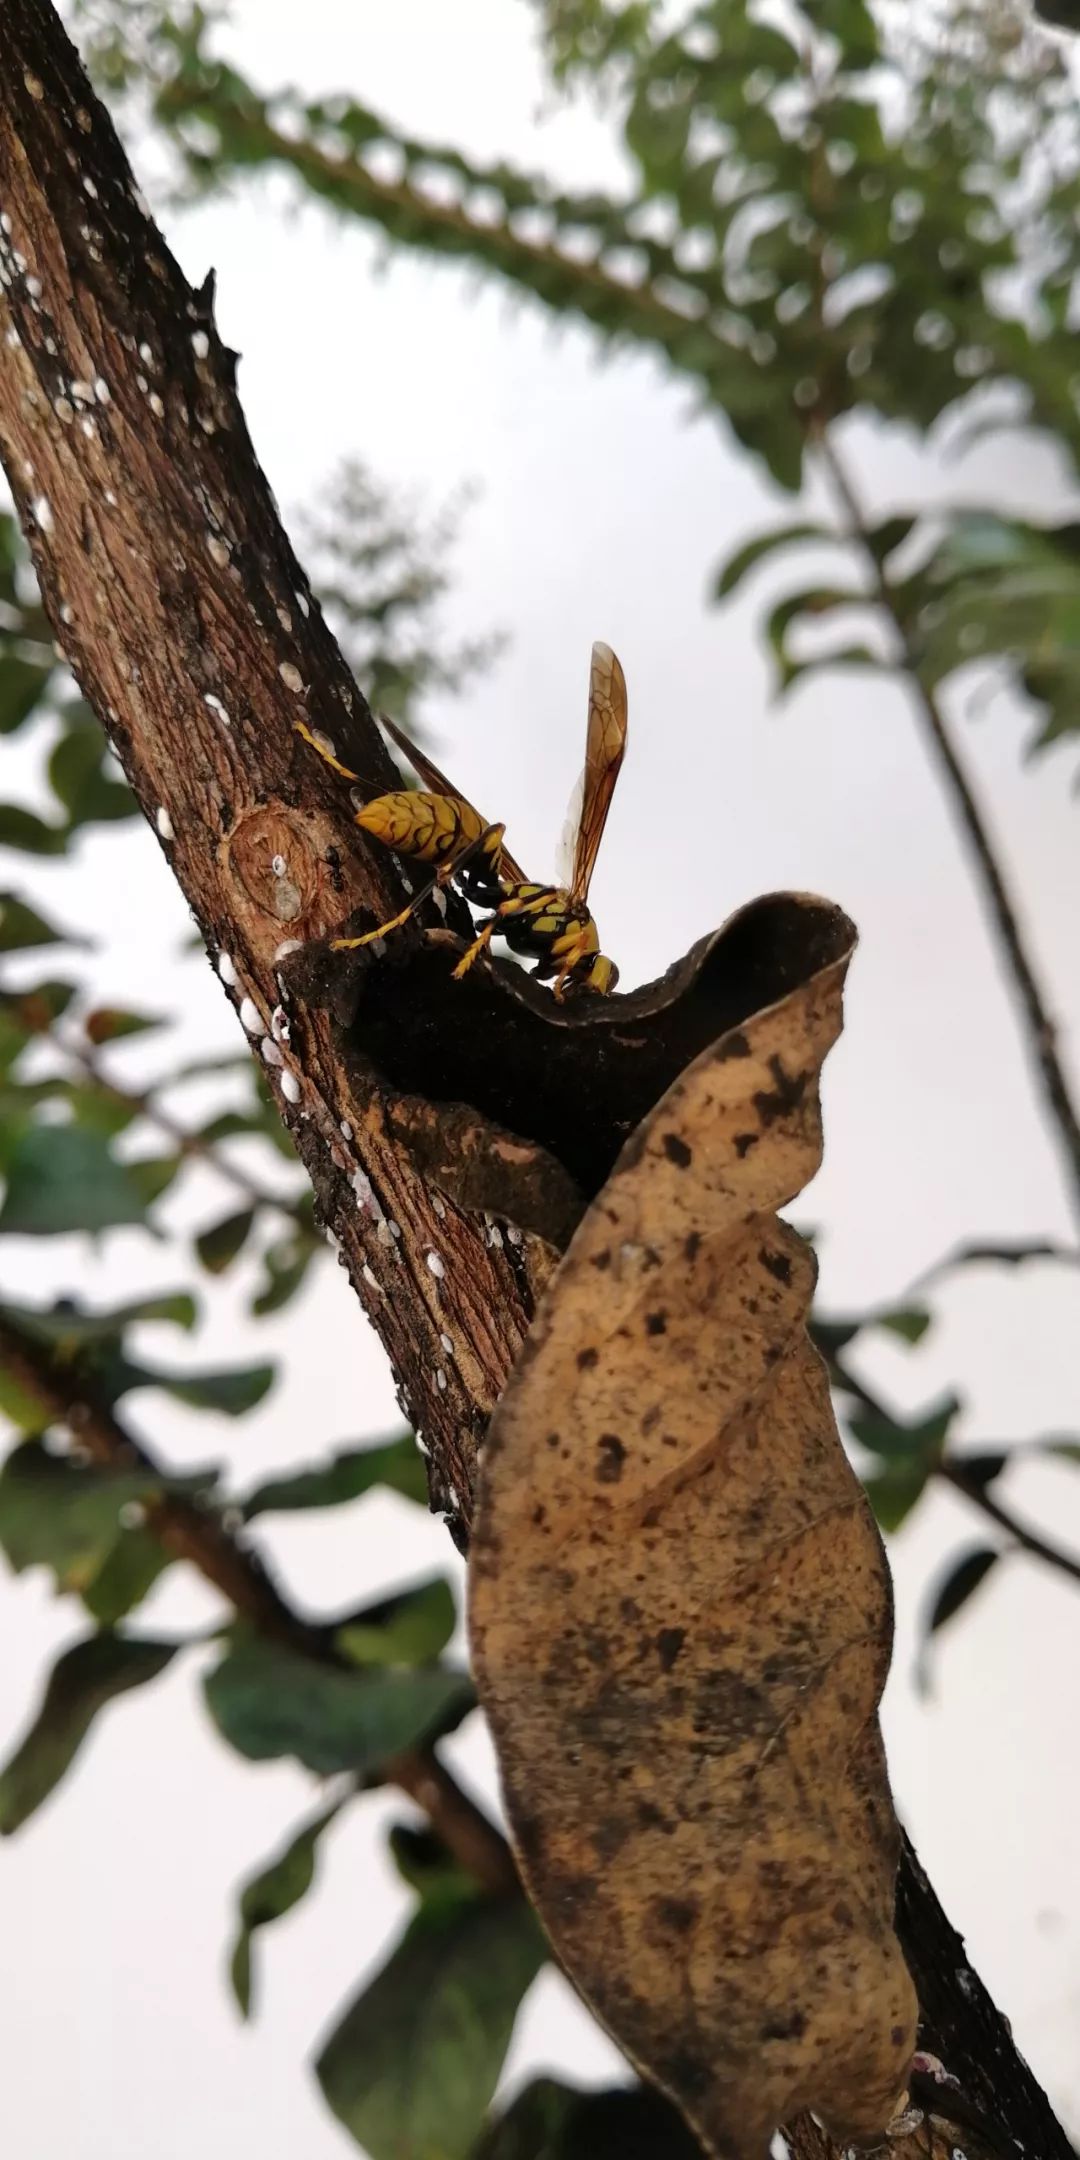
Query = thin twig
x=1040 y=1030
x=1005 y=1252
x=951 y=1472
x=949 y=1469
x=69 y=1395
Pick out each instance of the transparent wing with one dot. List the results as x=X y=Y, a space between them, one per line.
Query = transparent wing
x=605 y=748
x=568 y=839
x=438 y=783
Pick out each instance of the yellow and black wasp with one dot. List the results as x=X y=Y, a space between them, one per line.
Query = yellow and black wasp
x=437 y=825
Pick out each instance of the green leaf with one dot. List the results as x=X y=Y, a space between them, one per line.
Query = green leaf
x=20 y=1408
x=910 y=1322
x=885 y=538
x=755 y=551
x=553 y=2121
x=921 y=1442
x=427 y=1865
x=232 y=1391
x=832 y=1336
x=397 y=1464
x=959 y=1584
x=62 y=1178
x=67 y=1516
x=80 y=776
x=410 y=1628
x=125 y=1576
x=110 y=1023
x=1064 y=14
x=21 y=927
x=412 y=2066
x=24 y=830
x=981 y=1466
x=99 y=1107
x=286 y=1262
x=68 y=1326
x=229 y=1125
x=954 y=1589
x=219 y=1246
x=207 y=1068
x=81 y=1683
x=152 y=1175
x=1005 y=588
x=267 y=1701
x=23 y=684
x=893 y=1491
x=272 y=1892
x=1065 y=1450
x=838 y=656
x=30 y=1012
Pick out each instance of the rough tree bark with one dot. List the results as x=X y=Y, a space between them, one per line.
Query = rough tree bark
x=188 y=622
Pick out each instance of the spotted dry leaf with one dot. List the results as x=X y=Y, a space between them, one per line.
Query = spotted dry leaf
x=681 y=1619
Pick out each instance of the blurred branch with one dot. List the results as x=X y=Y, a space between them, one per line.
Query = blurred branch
x=1005 y=1253
x=70 y=1396
x=950 y=1470
x=1040 y=1029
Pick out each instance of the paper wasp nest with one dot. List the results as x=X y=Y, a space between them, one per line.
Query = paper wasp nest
x=681 y=1619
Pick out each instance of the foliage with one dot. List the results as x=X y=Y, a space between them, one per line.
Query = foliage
x=858 y=214
x=846 y=216
x=87 y=1677
x=412 y=2066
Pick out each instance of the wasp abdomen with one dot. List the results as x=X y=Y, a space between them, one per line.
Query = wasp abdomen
x=429 y=828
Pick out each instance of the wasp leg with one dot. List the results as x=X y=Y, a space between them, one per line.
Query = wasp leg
x=479 y=945
x=352 y=944
x=327 y=756
x=565 y=973
x=442 y=877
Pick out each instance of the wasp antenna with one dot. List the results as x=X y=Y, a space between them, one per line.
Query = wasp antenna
x=325 y=749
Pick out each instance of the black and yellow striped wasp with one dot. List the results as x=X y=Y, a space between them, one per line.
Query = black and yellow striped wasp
x=550 y=924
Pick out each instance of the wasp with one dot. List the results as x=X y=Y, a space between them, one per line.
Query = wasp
x=437 y=825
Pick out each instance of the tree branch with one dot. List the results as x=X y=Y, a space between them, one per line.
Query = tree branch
x=70 y=1396
x=189 y=624
x=1040 y=1030
x=178 y=600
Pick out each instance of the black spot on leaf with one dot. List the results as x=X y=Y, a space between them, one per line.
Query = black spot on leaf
x=612 y=1457
x=788 y=1094
x=669 y=1642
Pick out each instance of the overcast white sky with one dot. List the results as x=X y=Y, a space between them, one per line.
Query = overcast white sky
x=605 y=507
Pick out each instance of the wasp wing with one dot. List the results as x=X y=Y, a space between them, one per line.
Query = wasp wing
x=605 y=748
x=438 y=784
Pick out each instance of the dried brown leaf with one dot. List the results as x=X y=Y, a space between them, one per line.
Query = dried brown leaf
x=681 y=1620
